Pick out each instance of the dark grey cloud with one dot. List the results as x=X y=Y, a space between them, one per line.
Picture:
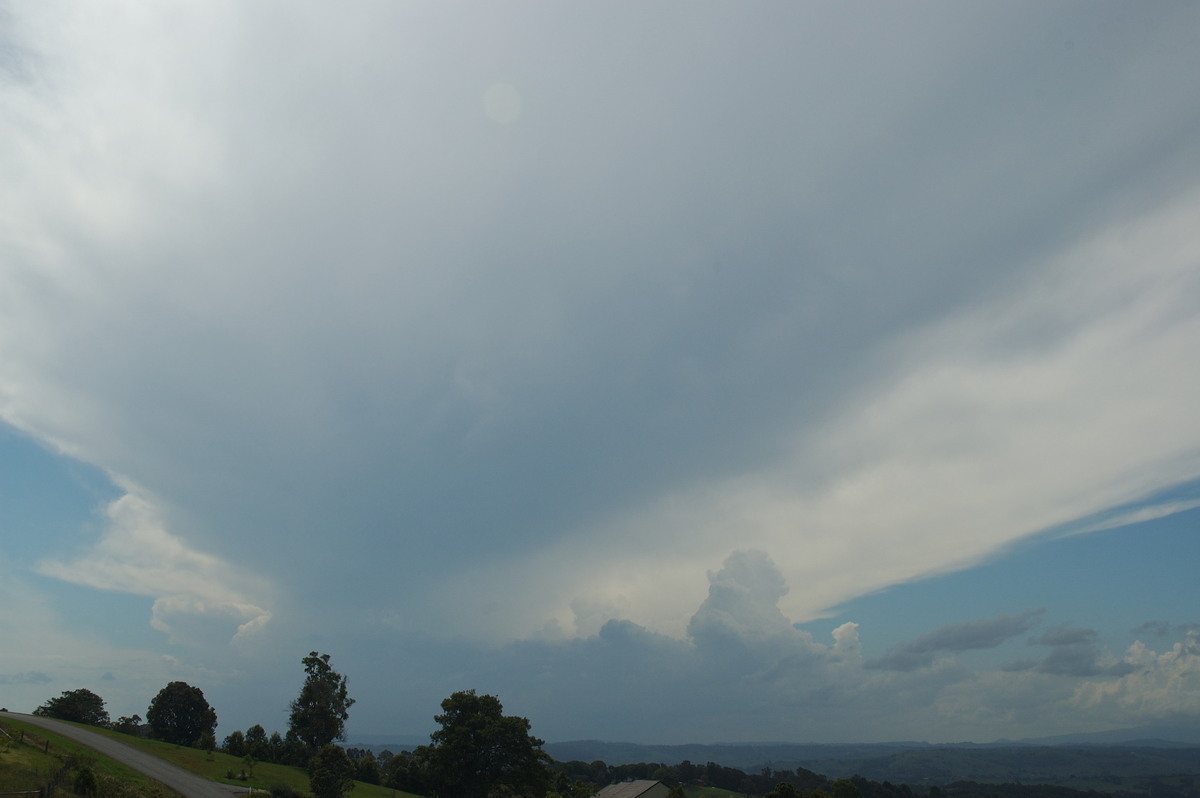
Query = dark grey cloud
x=1065 y=636
x=1154 y=628
x=1076 y=651
x=976 y=634
x=1082 y=660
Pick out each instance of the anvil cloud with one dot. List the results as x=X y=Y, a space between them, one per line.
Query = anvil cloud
x=602 y=357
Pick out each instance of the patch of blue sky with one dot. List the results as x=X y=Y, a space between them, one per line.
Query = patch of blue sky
x=1124 y=581
x=120 y=619
x=48 y=501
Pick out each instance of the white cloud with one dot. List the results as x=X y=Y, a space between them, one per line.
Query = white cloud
x=1069 y=394
x=1159 y=686
x=136 y=554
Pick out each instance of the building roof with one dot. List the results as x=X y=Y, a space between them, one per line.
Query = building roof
x=627 y=789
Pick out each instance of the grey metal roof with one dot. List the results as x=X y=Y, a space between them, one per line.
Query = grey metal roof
x=626 y=789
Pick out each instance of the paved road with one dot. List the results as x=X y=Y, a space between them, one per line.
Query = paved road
x=189 y=785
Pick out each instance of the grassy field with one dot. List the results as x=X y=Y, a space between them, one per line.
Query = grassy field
x=31 y=756
x=218 y=767
x=26 y=767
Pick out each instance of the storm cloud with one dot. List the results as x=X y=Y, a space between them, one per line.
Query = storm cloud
x=411 y=328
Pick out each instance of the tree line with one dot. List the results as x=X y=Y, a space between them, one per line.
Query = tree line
x=477 y=751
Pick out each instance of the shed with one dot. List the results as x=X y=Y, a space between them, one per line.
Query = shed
x=635 y=789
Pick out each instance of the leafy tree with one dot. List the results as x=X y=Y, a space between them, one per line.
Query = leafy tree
x=479 y=750
x=367 y=770
x=256 y=743
x=128 y=724
x=319 y=713
x=81 y=706
x=276 y=747
x=845 y=788
x=294 y=751
x=179 y=714
x=407 y=771
x=330 y=772
x=235 y=744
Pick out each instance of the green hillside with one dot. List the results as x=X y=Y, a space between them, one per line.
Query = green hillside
x=24 y=766
x=31 y=757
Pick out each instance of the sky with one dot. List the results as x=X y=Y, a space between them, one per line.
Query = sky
x=676 y=372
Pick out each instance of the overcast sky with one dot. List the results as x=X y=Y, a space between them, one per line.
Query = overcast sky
x=678 y=372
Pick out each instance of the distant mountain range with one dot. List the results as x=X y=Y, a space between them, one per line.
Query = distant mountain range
x=1120 y=759
x=1180 y=735
x=743 y=755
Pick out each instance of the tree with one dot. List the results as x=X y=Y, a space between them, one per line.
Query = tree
x=256 y=743
x=128 y=724
x=330 y=772
x=235 y=744
x=479 y=751
x=319 y=713
x=367 y=770
x=81 y=706
x=179 y=714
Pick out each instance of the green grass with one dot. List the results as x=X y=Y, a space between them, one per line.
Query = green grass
x=217 y=767
x=31 y=764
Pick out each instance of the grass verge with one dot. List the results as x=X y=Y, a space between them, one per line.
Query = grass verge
x=31 y=756
x=218 y=767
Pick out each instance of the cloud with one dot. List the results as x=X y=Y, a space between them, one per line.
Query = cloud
x=1129 y=516
x=31 y=677
x=966 y=636
x=743 y=602
x=376 y=347
x=741 y=675
x=1155 y=686
x=137 y=555
x=1064 y=636
x=1076 y=652
x=55 y=649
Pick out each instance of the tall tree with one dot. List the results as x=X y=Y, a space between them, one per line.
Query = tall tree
x=479 y=750
x=180 y=714
x=256 y=743
x=81 y=706
x=319 y=713
x=330 y=772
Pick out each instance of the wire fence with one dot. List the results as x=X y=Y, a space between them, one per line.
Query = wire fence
x=48 y=789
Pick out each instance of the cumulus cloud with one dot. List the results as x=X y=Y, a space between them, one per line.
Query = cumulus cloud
x=741 y=675
x=1155 y=686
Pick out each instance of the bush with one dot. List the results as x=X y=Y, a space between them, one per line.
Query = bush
x=284 y=791
x=85 y=782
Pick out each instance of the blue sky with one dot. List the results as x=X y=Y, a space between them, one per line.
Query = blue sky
x=813 y=373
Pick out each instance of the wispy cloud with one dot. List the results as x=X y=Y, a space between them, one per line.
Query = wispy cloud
x=965 y=636
x=137 y=555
